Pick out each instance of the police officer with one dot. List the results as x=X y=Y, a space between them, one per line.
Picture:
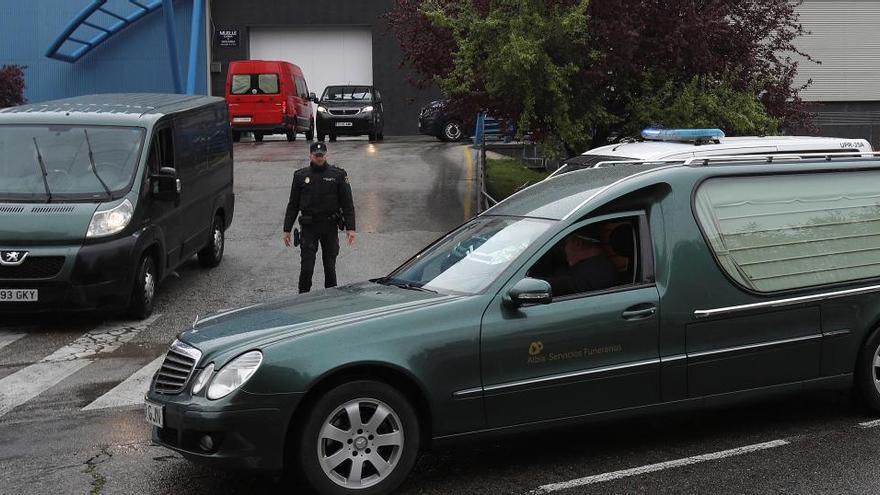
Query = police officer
x=322 y=194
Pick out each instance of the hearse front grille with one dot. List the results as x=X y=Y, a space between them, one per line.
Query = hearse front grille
x=33 y=267
x=176 y=369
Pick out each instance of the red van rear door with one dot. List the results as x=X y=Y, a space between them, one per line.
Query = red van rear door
x=255 y=99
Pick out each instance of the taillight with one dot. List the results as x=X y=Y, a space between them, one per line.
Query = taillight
x=284 y=106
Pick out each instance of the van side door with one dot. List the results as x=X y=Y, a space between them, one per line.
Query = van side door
x=594 y=347
x=191 y=132
x=162 y=213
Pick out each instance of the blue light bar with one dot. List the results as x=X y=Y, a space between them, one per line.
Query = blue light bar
x=682 y=134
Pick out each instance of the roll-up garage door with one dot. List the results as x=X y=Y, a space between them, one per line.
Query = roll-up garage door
x=327 y=56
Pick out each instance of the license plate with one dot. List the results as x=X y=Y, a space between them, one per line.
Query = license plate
x=241 y=119
x=343 y=124
x=154 y=414
x=19 y=295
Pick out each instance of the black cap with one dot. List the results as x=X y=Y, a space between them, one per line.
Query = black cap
x=318 y=147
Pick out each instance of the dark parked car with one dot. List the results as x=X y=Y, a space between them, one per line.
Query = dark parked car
x=589 y=296
x=351 y=111
x=435 y=119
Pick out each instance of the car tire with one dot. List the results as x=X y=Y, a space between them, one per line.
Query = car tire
x=143 y=292
x=327 y=463
x=236 y=136
x=452 y=131
x=868 y=372
x=310 y=134
x=291 y=135
x=332 y=137
x=258 y=137
x=211 y=255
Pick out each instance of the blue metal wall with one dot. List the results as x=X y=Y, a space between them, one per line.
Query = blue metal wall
x=135 y=60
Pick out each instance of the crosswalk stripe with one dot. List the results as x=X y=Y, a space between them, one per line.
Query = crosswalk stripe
x=33 y=380
x=7 y=338
x=129 y=392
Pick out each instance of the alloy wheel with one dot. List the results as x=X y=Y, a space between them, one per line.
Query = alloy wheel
x=360 y=443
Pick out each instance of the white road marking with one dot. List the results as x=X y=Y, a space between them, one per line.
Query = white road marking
x=687 y=461
x=7 y=338
x=129 y=392
x=33 y=380
x=870 y=424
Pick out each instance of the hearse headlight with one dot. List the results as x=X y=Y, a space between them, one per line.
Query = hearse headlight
x=203 y=378
x=109 y=222
x=235 y=374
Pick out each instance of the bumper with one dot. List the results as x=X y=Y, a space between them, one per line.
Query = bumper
x=94 y=276
x=430 y=126
x=344 y=125
x=252 y=438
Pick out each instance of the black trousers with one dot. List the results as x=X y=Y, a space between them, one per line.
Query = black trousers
x=327 y=235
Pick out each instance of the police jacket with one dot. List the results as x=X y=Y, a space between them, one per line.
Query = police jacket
x=322 y=194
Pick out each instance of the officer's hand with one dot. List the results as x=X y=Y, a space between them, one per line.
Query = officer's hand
x=349 y=234
x=286 y=238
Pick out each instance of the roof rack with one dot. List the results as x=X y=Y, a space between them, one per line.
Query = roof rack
x=771 y=157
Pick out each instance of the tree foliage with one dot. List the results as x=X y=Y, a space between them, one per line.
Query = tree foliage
x=11 y=85
x=587 y=72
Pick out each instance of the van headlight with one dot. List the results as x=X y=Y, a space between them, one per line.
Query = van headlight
x=321 y=109
x=109 y=222
x=234 y=374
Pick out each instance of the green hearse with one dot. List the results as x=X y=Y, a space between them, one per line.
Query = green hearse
x=619 y=289
x=103 y=196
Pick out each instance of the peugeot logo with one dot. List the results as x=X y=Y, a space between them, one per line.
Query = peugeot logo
x=12 y=258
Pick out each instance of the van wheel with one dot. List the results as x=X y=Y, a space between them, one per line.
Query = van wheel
x=310 y=134
x=372 y=136
x=211 y=255
x=360 y=438
x=144 y=291
x=236 y=136
x=258 y=137
x=291 y=135
x=332 y=137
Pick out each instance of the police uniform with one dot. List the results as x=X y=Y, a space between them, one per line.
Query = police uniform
x=323 y=195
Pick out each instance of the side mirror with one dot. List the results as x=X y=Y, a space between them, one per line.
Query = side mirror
x=313 y=97
x=166 y=184
x=529 y=291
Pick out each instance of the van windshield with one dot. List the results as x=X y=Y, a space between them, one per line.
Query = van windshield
x=67 y=162
x=339 y=93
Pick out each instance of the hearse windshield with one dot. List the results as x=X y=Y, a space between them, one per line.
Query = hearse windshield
x=469 y=259
x=56 y=163
x=347 y=93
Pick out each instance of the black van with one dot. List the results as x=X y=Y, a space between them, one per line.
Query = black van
x=103 y=196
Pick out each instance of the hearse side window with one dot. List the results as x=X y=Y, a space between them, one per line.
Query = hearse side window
x=596 y=257
x=784 y=232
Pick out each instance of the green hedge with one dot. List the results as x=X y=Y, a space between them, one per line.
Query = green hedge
x=505 y=176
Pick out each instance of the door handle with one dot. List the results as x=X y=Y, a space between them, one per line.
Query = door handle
x=640 y=313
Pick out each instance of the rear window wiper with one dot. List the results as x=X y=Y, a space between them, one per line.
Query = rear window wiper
x=45 y=173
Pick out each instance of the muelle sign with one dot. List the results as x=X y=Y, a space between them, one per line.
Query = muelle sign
x=227 y=37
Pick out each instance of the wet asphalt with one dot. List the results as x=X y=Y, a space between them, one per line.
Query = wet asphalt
x=408 y=191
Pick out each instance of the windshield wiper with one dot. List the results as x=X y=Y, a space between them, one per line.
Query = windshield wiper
x=43 y=169
x=92 y=162
x=402 y=284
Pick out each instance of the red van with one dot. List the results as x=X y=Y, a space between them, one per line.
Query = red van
x=268 y=97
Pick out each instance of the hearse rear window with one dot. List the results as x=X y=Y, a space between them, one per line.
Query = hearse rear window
x=243 y=84
x=791 y=231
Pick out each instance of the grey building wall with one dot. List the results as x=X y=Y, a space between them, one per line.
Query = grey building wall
x=860 y=119
x=402 y=99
